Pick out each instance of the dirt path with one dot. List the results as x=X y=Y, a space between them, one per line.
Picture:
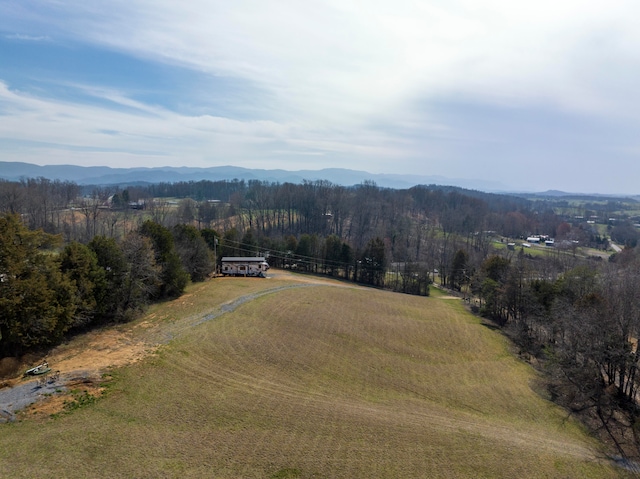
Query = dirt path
x=83 y=361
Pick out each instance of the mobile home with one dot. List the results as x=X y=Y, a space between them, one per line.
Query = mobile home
x=244 y=266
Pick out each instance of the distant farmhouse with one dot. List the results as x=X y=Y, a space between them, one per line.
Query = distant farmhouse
x=538 y=239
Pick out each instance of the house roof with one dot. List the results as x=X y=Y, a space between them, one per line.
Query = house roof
x=243 y=259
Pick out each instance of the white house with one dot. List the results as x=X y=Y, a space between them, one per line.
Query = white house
x=244 y=266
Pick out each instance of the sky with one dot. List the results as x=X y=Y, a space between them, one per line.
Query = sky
x=530 y=95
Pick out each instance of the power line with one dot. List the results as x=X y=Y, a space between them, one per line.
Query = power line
x=250 y=248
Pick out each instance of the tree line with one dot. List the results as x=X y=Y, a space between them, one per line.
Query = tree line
x=48 y=289
x=356 y=232
x=581 y=319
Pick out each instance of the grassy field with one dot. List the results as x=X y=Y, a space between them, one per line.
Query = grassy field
x=311 y=382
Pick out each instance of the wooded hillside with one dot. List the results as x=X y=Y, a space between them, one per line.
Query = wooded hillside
x=71 y=259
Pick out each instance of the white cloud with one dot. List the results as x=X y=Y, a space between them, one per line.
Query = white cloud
x=349 y=60
x=345 y=79
x=27 y=38
x=146 y=133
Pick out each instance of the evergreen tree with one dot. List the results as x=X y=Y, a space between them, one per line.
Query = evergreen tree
x=332 y=254
x=35 y=298
x=211 y=237
x=458 y=269
x=110 y=300
x=373 y=263
x=196 y=257
x=80 y=265
x=173 y=277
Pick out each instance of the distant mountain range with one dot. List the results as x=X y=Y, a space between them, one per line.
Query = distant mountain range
x=104 y=175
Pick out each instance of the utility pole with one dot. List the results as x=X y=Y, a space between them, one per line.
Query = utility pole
x=215 y=254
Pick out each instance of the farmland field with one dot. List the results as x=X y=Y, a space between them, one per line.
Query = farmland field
x=313 y=379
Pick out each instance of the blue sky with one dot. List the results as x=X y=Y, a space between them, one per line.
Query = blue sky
x=533 y=96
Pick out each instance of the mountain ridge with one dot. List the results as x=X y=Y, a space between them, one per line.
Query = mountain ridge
x=105 y=175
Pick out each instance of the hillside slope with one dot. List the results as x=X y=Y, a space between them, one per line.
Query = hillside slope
x=319 y=381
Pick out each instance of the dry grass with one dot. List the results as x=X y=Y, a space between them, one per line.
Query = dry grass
x=312 y=382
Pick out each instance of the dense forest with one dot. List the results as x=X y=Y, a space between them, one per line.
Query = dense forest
x=72 y=258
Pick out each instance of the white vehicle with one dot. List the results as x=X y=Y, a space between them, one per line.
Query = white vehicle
x=244 y=266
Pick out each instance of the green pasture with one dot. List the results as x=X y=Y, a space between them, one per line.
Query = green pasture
x=315 y=379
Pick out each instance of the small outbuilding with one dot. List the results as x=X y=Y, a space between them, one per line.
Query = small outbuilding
x=244 y=266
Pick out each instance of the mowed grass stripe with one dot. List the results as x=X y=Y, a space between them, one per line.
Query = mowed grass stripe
x=317 y=382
